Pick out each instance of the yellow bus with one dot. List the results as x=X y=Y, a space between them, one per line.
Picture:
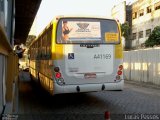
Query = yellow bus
x=78 y=54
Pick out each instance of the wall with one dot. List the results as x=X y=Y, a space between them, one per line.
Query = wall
x=8 y=59
x=2 y=82
x=143 y=65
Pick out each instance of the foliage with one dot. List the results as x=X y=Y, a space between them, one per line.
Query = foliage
x=154 y=38
x=125 y=30
x=30 y=40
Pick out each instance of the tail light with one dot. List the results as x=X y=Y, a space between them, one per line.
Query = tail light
x=58 y=75
x=119 y=72
x=107 y=115
x=120 y=67
x=56 y=69
x=118 y=77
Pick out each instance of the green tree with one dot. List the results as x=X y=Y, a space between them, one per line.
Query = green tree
x=125 y=30
x=154 y=38
x=30 y=39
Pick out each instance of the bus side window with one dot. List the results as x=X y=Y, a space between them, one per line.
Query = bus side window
x=36 y=54
x=39 y=48
x=49 y=43
x=43 y=47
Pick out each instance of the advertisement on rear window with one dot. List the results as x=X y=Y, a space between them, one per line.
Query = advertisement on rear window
x=81 y=31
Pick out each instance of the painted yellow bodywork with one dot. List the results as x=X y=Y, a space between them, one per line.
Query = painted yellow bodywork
x=118 y=51
x=119 y=47
x=57 y=49
x=46 y=82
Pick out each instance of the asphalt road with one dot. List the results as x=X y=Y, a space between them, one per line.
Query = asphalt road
x=134 y=102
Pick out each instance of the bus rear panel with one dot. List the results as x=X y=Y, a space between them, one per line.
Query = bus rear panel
x=87 y=55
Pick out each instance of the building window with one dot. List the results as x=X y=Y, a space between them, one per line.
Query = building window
x=157 y=6
x=141 y=12
x=149 y=9
x=134 y=15
x=134 y=35
x=148 y=32
x=140 y=34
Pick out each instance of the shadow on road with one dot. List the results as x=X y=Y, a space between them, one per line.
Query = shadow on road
x=32 y=94
x=37 y=104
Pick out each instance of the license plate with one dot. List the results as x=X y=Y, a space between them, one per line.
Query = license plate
x=89 y=75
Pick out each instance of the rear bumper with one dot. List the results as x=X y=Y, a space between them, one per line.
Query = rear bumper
x=88 y=87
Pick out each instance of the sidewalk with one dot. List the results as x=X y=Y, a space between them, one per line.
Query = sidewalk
x=24 y=76
x=142 y=84
x=24 y=81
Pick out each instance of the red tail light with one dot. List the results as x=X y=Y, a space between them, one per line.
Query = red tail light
x=107 y=115
x=58 y=75
x=119 y=72
x=120 y=67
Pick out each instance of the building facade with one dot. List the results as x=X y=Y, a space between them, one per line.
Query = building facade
x=16 y=17
x=123 y=13
x=145 y=17
x=8 y=60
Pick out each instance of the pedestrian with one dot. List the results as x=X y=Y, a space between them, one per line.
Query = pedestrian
x=19 y=51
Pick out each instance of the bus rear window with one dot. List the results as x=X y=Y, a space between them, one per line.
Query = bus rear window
x=87 y=30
